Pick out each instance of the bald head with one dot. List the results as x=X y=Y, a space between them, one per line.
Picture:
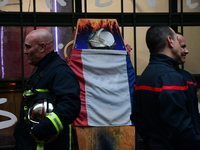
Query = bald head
x=38 y=43
x=42 y=36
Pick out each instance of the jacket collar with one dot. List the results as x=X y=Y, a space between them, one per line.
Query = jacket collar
x=164 y=59
x=47 y=59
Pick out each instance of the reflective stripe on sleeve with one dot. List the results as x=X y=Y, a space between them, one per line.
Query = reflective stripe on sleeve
x=42 y=90
x=29 y=92
x=70 y=137
x=40 y=146
x=56 y=121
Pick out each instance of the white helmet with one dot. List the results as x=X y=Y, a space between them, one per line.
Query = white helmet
x=101 y=39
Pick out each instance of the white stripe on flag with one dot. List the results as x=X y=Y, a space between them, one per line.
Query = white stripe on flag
x=107 y=88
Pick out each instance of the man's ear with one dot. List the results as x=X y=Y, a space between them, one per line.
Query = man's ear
x=170 y=41
x=43 y=46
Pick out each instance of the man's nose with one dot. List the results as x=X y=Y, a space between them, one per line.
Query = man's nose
x=186 y=51
x=25 y=51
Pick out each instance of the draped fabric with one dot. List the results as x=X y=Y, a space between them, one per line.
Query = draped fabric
x=106 y=78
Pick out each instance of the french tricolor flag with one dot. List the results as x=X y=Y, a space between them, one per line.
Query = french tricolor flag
x=106 y=79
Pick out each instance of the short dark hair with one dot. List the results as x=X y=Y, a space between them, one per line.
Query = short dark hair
x=156 y=37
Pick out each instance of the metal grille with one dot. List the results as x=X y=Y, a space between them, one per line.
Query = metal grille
x=79 y=9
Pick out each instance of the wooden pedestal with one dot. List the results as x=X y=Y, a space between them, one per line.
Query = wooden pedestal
x=106 y=138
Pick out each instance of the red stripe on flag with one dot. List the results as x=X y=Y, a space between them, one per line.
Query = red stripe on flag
x=159 y=89
x=75 y=62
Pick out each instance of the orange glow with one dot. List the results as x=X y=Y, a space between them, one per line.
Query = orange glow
x=91 y=25
x=11 y=83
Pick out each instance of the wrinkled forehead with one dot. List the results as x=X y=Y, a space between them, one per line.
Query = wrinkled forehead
x=30 y=40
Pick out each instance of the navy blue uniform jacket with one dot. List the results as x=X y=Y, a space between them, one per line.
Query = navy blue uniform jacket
x=63 y=84
x=166 y=102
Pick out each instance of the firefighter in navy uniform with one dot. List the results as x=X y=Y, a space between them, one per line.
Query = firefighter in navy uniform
x=51 y=100
x=165 y=112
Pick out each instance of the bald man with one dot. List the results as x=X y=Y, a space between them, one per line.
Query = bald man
x=50 y=101
x=38 y=44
